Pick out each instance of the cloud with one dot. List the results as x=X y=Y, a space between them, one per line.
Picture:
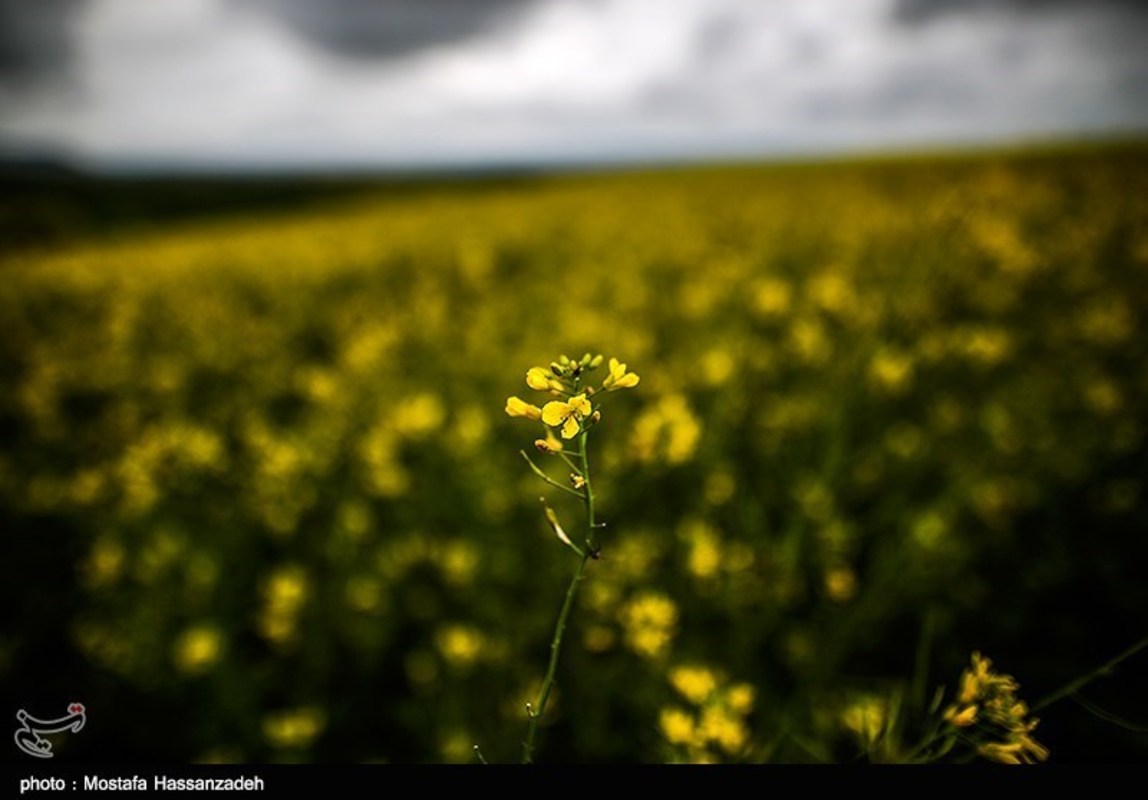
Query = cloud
x=915 y=11
x=263 y=83
x=34 y=38
x=384 y=28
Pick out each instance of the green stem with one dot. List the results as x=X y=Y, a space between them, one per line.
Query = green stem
x=1108 y=716
x=588 y=497
x=535 y=469
x=1078 y=684
x=569 y=463
x=921 y=662
x=555 y=648
x=929 y=739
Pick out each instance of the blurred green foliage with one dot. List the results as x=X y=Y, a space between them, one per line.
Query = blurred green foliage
x=256 y=478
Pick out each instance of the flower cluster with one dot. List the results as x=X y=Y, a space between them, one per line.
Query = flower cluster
x=573 y=412
x=987 y=707
x=713 y=726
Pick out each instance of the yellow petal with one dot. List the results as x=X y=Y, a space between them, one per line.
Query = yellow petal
x=555 y=413
x=964 y=718
x=570 y=429
x=580 y=404
x=538 y=379
x=627 y=381
x=1033 y=748
x=618 y=379
x=1001 y=753
x=970 y=688
x=516 y=407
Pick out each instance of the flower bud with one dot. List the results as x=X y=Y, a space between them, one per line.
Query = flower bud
x=550 y=445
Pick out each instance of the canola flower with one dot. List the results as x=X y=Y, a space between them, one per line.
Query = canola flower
x=320 y=392
x=713 y=725
x=989 y=716
x=571 y=418
x=985 y=720
x=619 y=378
x=566 y=377
x=567 y=415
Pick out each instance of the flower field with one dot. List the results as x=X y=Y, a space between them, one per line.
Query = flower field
x=255 y=466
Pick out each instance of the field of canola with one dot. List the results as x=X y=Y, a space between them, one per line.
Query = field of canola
x=255 y=468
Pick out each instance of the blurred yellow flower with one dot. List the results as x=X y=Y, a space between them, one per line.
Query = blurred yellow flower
x=988 y=699
x=694 y=683
x=962 y=718
x=198 y=649
x=1023 y=750
x=294 y=728
x=460 y=645
x=741 y=697
x=727 y=731
x=677 y=726
x=650 y=622
x=866 y=718
x=516 y=407
x=569 y=415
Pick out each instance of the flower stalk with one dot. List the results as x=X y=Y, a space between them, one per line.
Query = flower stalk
x=567 y=418
x=535 y=713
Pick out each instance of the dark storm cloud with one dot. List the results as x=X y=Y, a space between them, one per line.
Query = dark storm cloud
x=36 y=35
x=35 y=38
x=917 y=11
x=297 y=82
x=1114 y=31
x=384 y=28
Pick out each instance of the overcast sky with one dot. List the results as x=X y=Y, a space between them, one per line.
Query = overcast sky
x=401 y=83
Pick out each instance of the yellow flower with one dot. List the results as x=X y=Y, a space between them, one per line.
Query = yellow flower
x=1000 y=753
x=538 y=378
x=569 y=414
x=619 y=378
x=1031 y=749
x=1021 y=750
x=740 y=698
x=694 y=683
x=961 y=718
x=516 y=407
x=970 y=688
x=677 y=726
